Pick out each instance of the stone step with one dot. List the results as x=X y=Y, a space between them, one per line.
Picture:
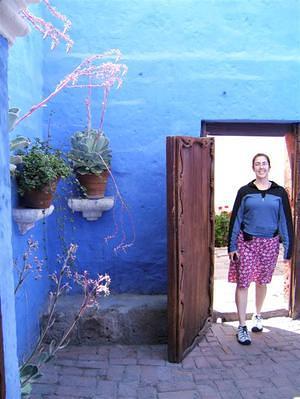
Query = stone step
x=123 y=319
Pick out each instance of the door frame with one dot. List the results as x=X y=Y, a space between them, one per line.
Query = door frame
x=291 y=131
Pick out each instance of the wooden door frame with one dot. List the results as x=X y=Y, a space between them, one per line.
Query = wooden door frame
x=273 y=129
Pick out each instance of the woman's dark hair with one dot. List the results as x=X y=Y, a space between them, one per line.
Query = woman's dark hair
x=261 y=155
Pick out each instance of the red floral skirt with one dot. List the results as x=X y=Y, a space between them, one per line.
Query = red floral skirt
x=257 y=261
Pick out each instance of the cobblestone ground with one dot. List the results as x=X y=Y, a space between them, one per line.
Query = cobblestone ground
x=217 y=368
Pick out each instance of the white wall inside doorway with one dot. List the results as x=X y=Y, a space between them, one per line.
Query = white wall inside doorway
x=233 y=164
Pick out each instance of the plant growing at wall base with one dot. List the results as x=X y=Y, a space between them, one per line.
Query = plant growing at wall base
x=92 y=289
x=90 y=158
x=39 y=173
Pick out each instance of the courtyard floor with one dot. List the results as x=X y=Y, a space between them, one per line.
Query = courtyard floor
x=217 y=368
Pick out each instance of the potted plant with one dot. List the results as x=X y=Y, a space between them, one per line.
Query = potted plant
x=38 y=175
x=90 y=158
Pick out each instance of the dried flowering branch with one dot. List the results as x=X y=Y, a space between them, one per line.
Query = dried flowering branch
x=58 y=15
x=123 y=245
x=29 y=264
x=61 y=287
x=88 y=75
x=92 y=290
x=47 y=29
x=91 y=75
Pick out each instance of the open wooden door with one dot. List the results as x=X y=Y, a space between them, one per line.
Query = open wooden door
x=190 y=205
x=293 y=147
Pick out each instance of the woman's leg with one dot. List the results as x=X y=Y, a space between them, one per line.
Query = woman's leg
x=241 y=298
x=260 y=294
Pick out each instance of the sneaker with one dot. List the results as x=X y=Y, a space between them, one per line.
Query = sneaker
x=243 y=335
x=257 y=321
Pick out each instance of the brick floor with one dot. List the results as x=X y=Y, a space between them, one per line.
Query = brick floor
x=217 y=368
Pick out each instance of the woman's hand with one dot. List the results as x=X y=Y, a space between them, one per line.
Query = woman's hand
x=234 y=256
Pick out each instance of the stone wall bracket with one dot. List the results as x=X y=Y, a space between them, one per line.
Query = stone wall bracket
x=27 y=217
x=91 y=209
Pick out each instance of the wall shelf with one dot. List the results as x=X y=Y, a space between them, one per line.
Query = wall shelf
x=91 y=209
x=26 y=217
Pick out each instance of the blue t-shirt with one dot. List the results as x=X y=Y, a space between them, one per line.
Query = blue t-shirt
x=262 y=213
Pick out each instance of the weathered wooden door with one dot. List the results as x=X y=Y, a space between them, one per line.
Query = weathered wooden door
x=293 y=146
x=190 y=204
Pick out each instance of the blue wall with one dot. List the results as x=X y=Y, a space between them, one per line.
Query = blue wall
x=6 y=281
x=25 y=88
x=188 y=61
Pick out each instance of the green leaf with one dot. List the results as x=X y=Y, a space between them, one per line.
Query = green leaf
x=52 y=347
x=19 y=143
x=13 y=115
x=15 y=159
x=42 y=358
x=28 y=372
x=26 y=390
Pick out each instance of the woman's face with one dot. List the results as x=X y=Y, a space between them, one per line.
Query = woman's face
x=261 y=167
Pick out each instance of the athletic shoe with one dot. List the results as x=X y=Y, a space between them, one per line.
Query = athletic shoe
x=257 y=321
x=243 y=336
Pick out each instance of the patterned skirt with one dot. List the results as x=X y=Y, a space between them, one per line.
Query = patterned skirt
x=257 y=261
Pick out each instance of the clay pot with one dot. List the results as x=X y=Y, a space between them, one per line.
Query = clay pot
x=39 y=199
x=94 y=185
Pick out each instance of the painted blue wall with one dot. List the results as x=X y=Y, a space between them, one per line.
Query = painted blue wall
x=188 y=61
x=6 y=281
x=25 y=88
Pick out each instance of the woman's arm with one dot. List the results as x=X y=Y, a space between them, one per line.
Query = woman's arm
x=236 y=220
x=285 y=226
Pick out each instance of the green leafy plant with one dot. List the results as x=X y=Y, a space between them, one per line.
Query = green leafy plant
x=90 y=153
x=221 y=227
x=40 y=167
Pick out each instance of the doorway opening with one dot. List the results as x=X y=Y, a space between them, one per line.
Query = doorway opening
x=235 y=146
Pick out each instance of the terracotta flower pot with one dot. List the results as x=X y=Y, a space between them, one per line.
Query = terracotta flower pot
x=39 y=199
x=94 y=185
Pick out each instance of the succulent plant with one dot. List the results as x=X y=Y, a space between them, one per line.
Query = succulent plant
x=13 y=115
x=17 y=144
x=90 y=153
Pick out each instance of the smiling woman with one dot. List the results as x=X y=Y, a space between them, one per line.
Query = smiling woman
x=233 y=156
x=261 y=215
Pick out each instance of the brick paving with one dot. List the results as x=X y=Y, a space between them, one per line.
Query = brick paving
x=217 y=368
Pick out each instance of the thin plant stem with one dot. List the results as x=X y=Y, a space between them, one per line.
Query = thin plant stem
x=52 y=309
